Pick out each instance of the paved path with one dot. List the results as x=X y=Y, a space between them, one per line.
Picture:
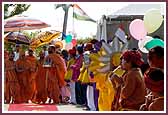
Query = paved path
x=37 y=107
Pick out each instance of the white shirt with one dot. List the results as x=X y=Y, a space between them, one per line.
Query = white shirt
x=16 y=56
x=46 y=53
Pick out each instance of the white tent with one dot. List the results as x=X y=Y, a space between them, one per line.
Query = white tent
x=137 y=9
x=108 y=25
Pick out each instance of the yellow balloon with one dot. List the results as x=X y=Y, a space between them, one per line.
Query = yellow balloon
x=152 y=20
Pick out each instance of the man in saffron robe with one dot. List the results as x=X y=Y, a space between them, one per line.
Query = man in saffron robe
x=54 y=74
x=22 y=69
x=41 y=80
x=33 y=72
x=12 y=89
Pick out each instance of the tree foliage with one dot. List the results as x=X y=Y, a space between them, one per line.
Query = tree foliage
x=14 y=9
x=84 y=40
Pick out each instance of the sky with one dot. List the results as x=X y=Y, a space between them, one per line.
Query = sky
x=47 y=13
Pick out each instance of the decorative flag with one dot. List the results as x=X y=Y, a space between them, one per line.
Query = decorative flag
x=79 y=14
x=121 y=35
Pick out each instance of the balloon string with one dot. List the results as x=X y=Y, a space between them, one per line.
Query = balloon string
x=73 y=23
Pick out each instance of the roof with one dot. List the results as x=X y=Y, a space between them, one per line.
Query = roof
x=136 y=9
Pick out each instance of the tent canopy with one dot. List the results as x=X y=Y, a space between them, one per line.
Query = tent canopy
x=135 y=10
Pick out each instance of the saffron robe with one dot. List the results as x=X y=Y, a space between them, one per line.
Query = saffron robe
x=12 y=87
x=41 y=83
x=31 y=78
x=22 y=68
x=55 y=76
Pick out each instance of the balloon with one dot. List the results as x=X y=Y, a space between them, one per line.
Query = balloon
x=143 y=42
x=152 y=20
x=59 y=43
x=137 y=29
x=68 y=38
x=153 y=43
x=68 y=46
x=74 y=42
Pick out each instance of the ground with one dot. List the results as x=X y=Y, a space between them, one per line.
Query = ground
x=38 y=107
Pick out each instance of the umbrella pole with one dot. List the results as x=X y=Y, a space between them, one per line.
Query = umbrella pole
x=65 y=19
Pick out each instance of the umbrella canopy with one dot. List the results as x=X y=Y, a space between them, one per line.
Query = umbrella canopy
x=17 y=37
x=18 y=23
x=44 y=38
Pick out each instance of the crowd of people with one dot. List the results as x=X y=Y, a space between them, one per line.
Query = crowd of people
x=59 y=76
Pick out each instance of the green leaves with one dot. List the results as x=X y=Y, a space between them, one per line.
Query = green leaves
x=14 y=9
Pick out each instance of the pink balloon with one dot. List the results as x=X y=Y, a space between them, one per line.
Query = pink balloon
x=68 y=46
x=137 y=29
x=74 y=42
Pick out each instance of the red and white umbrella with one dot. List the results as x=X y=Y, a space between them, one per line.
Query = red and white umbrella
x=18 y=23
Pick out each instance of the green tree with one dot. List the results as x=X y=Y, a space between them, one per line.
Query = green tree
x=84 y=40
x=31 y=35
x=14 y=9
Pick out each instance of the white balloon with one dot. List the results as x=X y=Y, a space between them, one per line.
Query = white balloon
x=142 y=43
